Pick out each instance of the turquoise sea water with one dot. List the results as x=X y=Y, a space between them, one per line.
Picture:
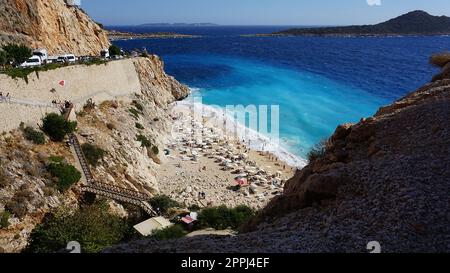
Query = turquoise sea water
x=310 y=105
x=318 y=83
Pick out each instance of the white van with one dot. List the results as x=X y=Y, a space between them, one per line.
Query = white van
x=42 y=53
x=71 y=58
x=52 y=59
x=67 y=58
x=104 y=53
x=32 y=62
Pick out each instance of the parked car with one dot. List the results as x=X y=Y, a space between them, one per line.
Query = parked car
x=67 y=58
x=52 y=59
x=41 y=53
x=32 y=62
x=104 y=53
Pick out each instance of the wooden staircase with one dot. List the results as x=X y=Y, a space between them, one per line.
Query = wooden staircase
x=121 y=194
x=107 y=190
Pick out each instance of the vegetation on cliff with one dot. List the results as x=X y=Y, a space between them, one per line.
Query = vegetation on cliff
x=92 y=226
x=35 y=136
x=222 y=217
x=163 y=203
x=16 y=53
x=65 y=175
x=93 y=153
x=442 y=61
x=57 y=127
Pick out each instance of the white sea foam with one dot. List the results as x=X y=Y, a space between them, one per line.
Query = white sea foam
x=217 y=118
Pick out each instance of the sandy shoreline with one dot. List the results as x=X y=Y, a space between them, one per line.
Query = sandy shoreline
x=202 y=159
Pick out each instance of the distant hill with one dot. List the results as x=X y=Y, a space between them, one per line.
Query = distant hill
x=413 y=23
x=178 y=25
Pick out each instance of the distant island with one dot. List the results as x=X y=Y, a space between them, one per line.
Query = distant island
x=413 y=23
x=114 y=35
x=178 y=25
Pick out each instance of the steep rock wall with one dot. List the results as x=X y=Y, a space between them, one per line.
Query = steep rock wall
x=50 y=24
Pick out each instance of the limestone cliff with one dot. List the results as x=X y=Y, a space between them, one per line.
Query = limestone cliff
x=385 y=179
x=125 y=92
x=50 y=24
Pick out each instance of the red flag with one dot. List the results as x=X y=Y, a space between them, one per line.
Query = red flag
x=62 y=83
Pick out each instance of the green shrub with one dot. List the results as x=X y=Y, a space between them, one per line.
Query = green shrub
x=22 y=73
x=144 y=54
x=93 y=227
x=4 y=217
x=65 y=174
x=34 y=136
x=93 y=153
x=139 y=126
x=318 y=151
x=155 y=150
x=56 y=159
x=17 y=53
x=222 y=217
x=145 y=142
x=164 y=203
x=18 y=207
x=3 y=58
x=114 y=50
x=134 y=113
x=57 y=127
x=194 y=207
x=169 y=233
x=95 y=62
x=440 y=59
x=138 y=106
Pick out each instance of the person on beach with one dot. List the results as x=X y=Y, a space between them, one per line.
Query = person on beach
x=8 y=97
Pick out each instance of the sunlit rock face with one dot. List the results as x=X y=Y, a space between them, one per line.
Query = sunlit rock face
x=50 y=24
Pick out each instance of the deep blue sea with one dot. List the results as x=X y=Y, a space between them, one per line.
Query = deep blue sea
x=318 y=82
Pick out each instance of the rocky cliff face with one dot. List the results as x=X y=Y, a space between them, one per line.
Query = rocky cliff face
x=50 y=24
x=27 y=190
x=112 y=126
x=384 y=179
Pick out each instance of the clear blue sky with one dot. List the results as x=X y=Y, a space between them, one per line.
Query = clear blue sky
x=256 y=12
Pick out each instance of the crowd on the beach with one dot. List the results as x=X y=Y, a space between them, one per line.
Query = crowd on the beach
x=196 y=140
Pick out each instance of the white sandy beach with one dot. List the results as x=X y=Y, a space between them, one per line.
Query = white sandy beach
x=203 y=159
